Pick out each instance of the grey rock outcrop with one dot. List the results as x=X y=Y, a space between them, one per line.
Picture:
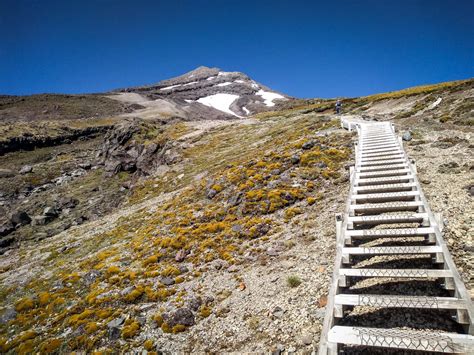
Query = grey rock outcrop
x=125 y=149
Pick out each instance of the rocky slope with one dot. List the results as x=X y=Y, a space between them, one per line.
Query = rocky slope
x=186 y=233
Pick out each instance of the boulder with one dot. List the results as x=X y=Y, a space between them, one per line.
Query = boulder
x=116 y=322
x=67 y=202
x=180 y=255
x=211 y=193
x=20 y=218
x=407 y=136
x=308 y=145
x=182 y=316
x=51 y=212
x=85 y=166
x=195 y=302
x=295 y=159
x=26 y=169
x=167 y=281
x=41 y=220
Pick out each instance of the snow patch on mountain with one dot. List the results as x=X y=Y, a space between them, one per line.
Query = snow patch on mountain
x=224 y=84
x=268 y=97
x=436 y=103
x=191 y=83
x=220 y=102
x=170 y=87
x=246 y=110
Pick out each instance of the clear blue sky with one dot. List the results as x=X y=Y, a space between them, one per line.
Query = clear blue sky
x=302 y=48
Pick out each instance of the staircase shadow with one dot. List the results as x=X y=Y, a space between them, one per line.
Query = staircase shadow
x=403 y=288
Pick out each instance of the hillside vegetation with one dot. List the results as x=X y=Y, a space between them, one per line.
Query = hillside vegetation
x=185 y=236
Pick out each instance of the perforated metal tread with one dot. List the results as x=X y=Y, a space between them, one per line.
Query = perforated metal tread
x=397 y=301
x=384 y=173
x=394 y=232
x=386 y=207
x=383 y=180
x=384 y=188
x=388 y=219
x=403 y=249
x=385 y=196
x=382 y=167
x=381 y=161
x=403 y=339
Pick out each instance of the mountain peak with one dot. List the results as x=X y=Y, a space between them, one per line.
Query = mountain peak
x=223 y=94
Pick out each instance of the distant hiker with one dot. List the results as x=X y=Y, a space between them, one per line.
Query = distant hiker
x=338 y=107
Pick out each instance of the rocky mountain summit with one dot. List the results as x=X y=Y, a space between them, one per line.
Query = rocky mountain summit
x=207 y=93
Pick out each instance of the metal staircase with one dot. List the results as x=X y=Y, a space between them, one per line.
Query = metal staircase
x=388 y=218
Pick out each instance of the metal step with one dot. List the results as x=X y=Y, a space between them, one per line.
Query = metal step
x=379 y=142
x=402 y=249
x=386 y=207
x=377 y=135
x=394 y=232
x=367 y=156
x=397 y=273
x=364 y=160
x=385 y=143
x=396 y=301
x=380 y=162
x=402 y=339
x=388 y=172
x=364 y=149
x=387 y=219
x=408 y=186
x=385 y=197
x=383 y=180
x=381 y=167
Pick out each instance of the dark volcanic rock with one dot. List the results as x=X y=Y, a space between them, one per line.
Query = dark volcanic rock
x=51 y=211
x=67 y=202
x=6 y=241
x=308 y=145
x=20 y=217
x=182 y=316
x=6 y=228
